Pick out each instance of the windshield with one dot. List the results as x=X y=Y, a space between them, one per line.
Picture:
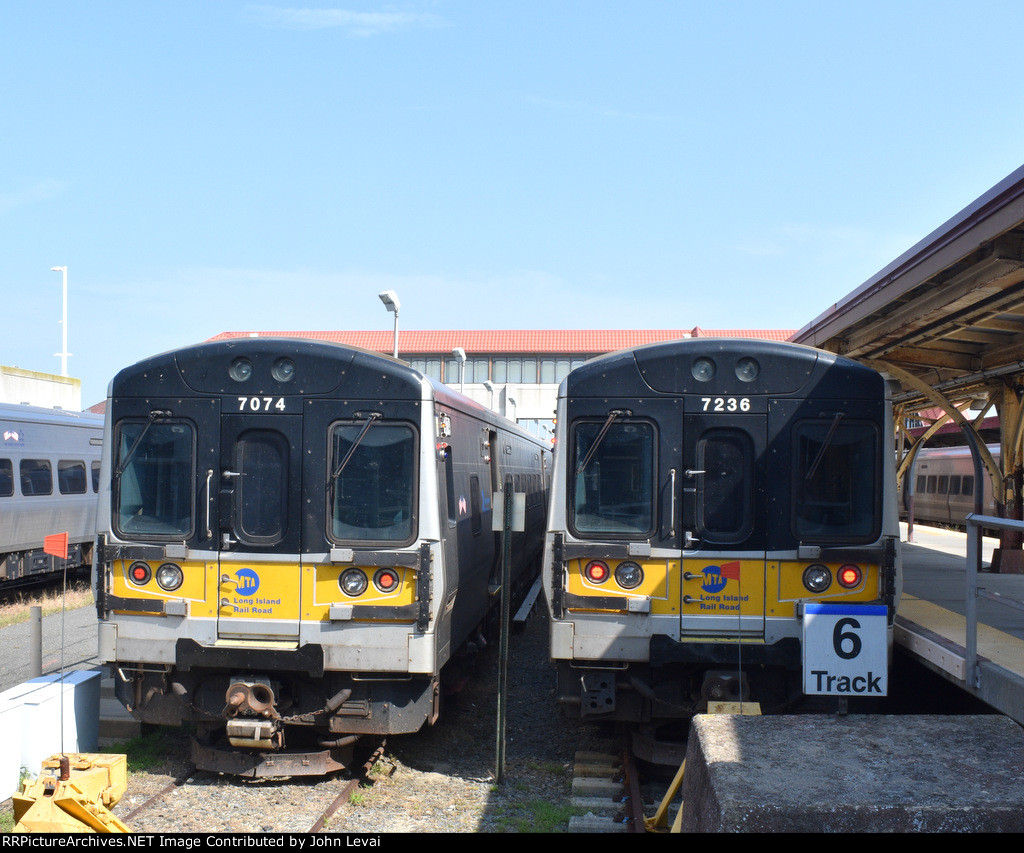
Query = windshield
x=372 y=497
x=154 y=493
x=835 y=480
x=613 y=492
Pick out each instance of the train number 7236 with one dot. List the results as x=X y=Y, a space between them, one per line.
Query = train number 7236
x=725 y=404
x=261 y=404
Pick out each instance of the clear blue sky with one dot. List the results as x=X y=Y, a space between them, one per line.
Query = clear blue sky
x=213 y=165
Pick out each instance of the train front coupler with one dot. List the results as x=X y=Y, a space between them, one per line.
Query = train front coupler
x=252 y=718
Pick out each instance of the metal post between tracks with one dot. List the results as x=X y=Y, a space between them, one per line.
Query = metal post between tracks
x=506 y=610
x=36 y=640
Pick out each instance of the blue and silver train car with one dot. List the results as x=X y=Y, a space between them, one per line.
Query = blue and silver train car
x=296 y=541
x=49 y=474
x=723 y=526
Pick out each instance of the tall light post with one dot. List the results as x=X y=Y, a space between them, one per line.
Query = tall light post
x=64 y=323
x=460 y=354
x=390 y=300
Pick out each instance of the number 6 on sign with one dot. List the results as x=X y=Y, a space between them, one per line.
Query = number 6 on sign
x=845 y=650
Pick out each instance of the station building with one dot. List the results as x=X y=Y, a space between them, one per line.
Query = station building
x=35 y=388
x=514 y=372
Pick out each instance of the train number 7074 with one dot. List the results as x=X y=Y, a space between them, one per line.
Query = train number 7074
x=261 y=404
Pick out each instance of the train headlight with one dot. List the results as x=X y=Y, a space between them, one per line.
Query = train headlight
x=596 y=571
x=283 y=370
x=353 y=582
x=386 y=580
x=849 y=576
x=169 y=576
x=140 y=573
x=629 y=575
x=817 y=578
x=240 y=370
x=747 y=369
x=703 y=369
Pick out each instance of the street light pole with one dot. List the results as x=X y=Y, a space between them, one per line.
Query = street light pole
x=64 y=323
x=390 y=300
x=460 y=354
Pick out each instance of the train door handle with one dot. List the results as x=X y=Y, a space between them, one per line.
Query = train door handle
x=688 y=599
x=672 y=506
x=226 y=541
x=689 y=540
x=690 y=473
x=690 y=576
x=209 y=497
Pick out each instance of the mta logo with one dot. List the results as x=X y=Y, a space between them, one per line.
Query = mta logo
x=716 y=577
x=248 y=581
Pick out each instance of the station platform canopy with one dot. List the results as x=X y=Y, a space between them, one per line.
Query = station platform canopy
x=949 y=311
x=946 y=320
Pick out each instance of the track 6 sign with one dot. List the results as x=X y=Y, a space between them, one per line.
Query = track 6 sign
x=845 y=650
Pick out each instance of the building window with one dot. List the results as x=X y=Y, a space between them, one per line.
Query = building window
x=477 y=369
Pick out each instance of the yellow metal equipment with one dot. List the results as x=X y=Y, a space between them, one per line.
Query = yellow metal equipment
x=657 y=823
x=74 y=798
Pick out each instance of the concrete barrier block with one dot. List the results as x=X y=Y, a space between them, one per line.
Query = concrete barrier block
x=821 y=773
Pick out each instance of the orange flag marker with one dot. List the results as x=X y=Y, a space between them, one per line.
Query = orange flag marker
x=57 y=545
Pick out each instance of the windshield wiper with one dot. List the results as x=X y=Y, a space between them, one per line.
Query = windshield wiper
x=153 y=415
x=612 y=415
x=824 y=446
x=370 y=418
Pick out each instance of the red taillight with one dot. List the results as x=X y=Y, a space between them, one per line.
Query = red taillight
x=140 y=573
x=385 y=580
x=596 y=571
x=849 y=576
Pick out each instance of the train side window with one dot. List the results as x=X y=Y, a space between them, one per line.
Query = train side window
x=71 y=477
x=837 y=480
x=920 y=483
x=95 y=477
x=153 y=480
x=475 y=509
x=6 y=478
x=726 y=490
x=954 y=484
x=967 y=486
x=36 y=477
x=613 y=489
x=374 y=491
x=932 y=484
x=943 y=486
x=449 y=482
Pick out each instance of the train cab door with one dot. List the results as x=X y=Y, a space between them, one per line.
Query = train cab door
x=259 y=537
x=723 y=512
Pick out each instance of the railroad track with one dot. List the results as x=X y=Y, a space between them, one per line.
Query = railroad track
x=221 y=795
x=607 y=786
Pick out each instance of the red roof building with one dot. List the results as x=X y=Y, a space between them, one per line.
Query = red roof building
x=526 y=341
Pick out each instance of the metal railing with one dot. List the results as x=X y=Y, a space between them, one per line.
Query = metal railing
x=975 y=524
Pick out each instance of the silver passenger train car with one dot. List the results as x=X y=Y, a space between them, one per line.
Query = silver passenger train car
x=295 y=541
x=944 y=480
x=49 y=474
x=723 y=526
